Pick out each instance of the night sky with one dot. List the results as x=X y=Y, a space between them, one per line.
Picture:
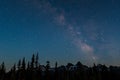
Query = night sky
x=60 y=30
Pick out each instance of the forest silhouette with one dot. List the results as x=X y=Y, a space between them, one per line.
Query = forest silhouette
x=33 y=70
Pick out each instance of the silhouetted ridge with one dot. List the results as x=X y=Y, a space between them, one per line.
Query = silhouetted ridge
x=32 y=70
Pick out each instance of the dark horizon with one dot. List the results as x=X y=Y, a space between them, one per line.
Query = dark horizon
x=36 y=57
x=33 y=70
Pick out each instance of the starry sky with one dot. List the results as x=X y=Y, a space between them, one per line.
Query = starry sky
x=60 y=30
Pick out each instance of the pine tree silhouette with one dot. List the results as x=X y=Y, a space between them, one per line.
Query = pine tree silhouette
x=36 y=61
x=35 y=71
x=23 y=64
x=19 y=65
x=32 y=61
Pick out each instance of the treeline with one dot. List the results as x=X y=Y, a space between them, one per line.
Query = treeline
x=32 y=70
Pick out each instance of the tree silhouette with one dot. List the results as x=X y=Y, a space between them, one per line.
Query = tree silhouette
x=47 y=70
x=28 y=66
x=35 y=71
x=48 y=65
x=3 y=67
x=13 y=68
x=69 y=65
x=79 y=64
x=19 y=65
x=56 y=71
x=36 y=61
x=23 y=64
x=2 y=71
x=32 y=61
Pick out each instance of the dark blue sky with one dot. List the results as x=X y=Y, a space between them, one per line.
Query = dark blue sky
x=60 y=30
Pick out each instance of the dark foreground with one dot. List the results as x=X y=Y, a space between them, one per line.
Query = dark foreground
x=34 y=71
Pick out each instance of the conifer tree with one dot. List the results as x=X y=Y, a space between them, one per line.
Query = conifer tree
x=3 y=67
x=19 y=65
x=23 y=64
x=32 y=61
x=36 y=61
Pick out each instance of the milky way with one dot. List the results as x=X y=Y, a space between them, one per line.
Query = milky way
x=77 y=36
x=87 y=36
